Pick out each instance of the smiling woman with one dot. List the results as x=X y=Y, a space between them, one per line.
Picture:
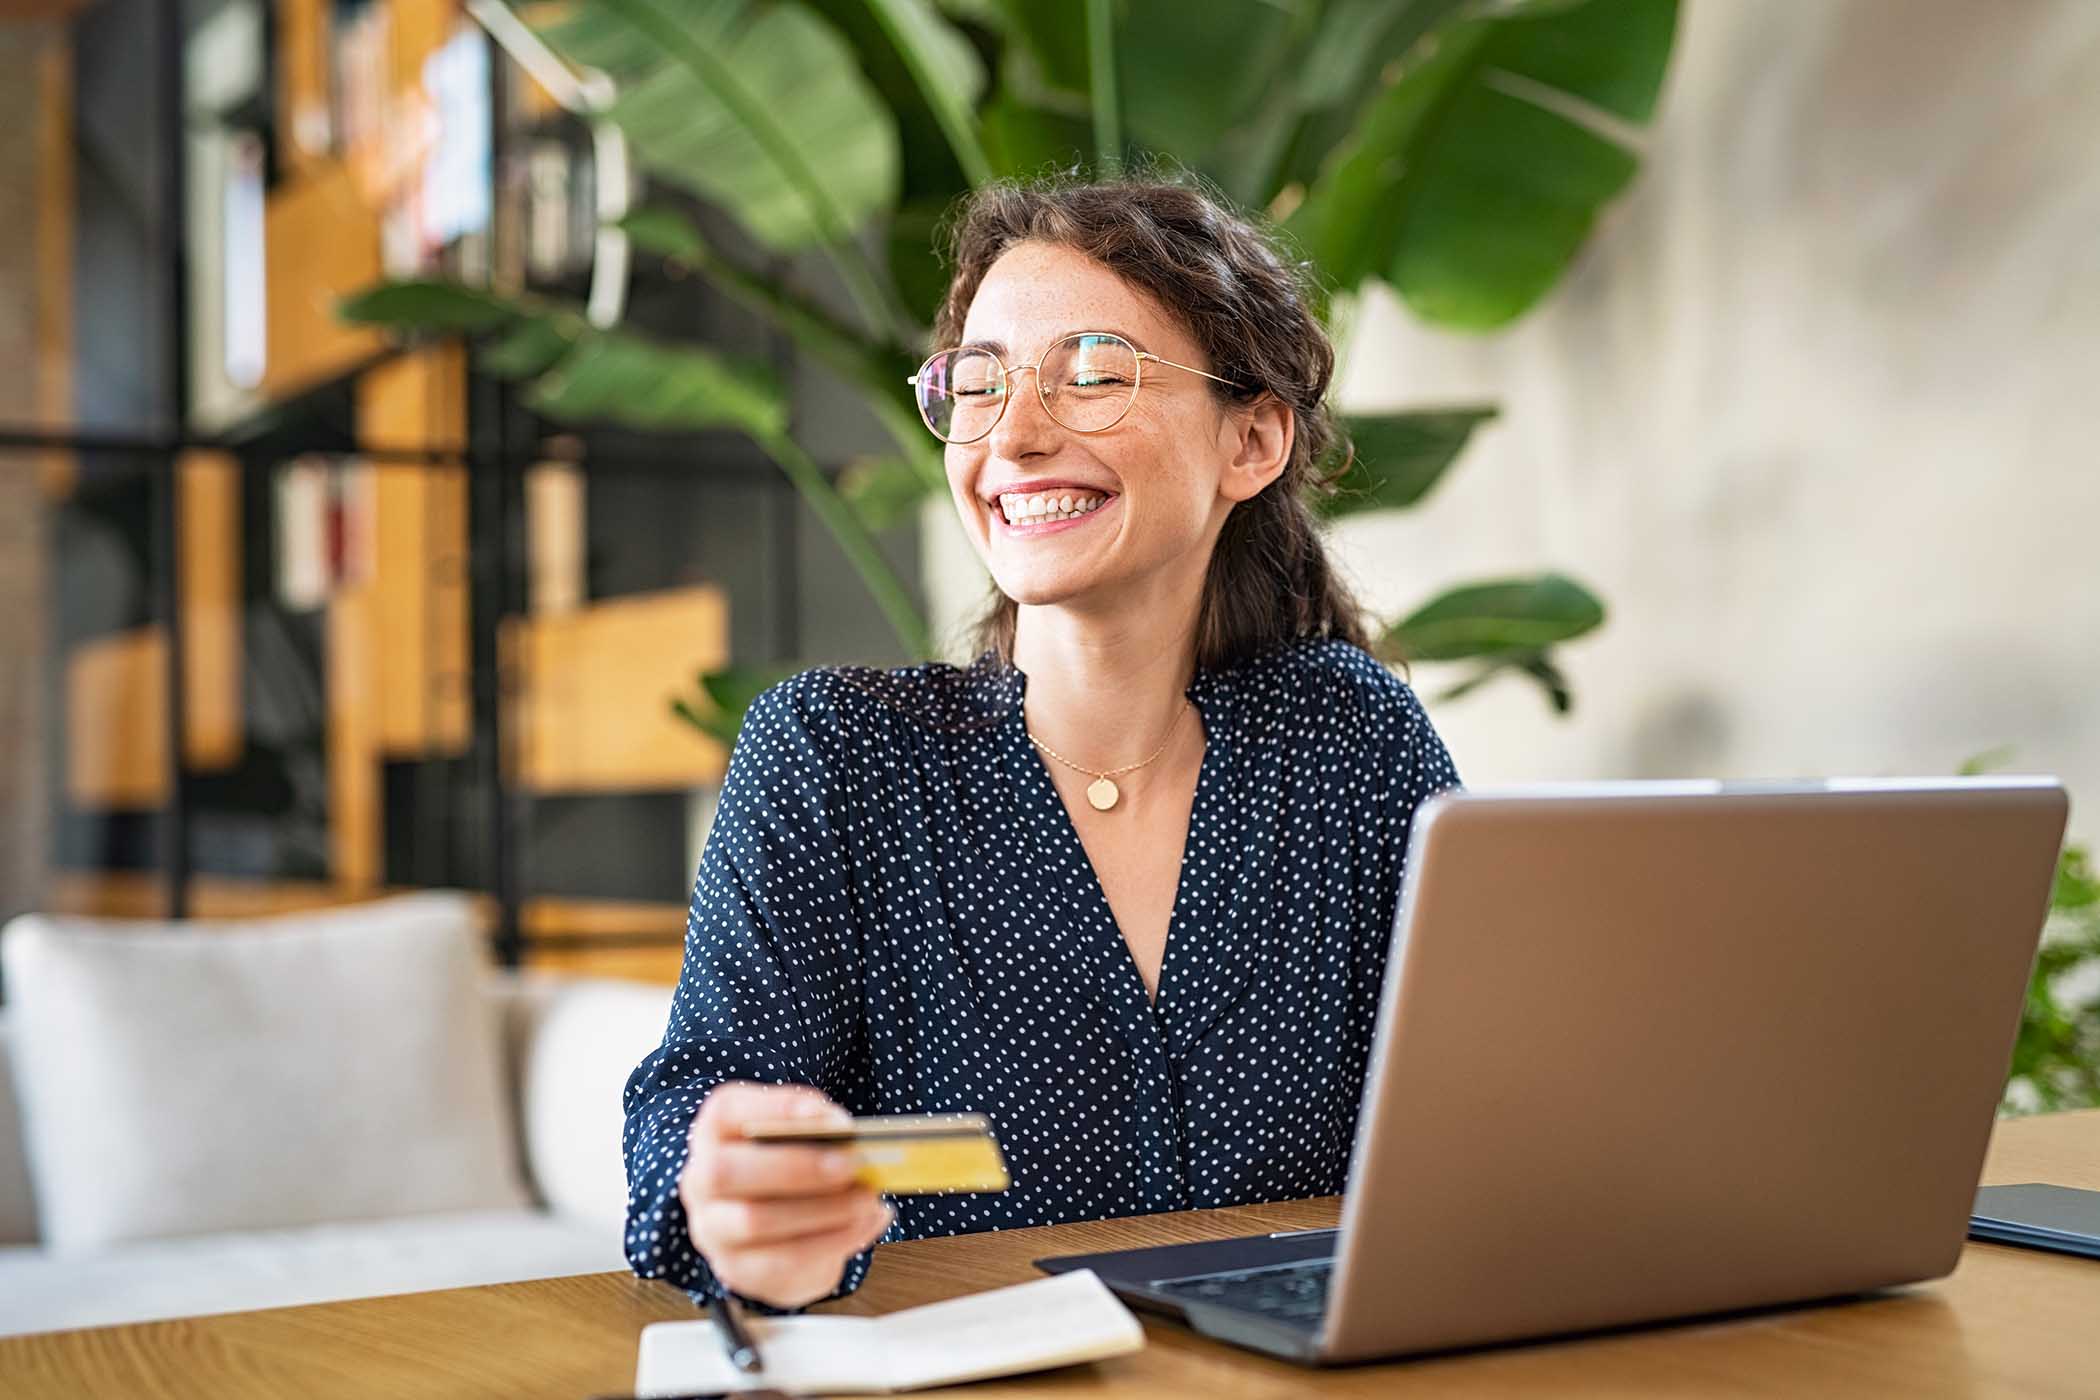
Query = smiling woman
x=1204 y=292
x=1124 y=884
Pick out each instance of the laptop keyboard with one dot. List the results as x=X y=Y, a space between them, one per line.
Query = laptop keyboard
x=1290 y=1292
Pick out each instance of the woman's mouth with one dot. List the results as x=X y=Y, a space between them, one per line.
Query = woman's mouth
x=1046 y=512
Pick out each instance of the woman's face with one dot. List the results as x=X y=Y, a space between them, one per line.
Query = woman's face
x=1166 y=474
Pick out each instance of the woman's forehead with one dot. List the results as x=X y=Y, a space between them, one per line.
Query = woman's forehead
x=1035 y=294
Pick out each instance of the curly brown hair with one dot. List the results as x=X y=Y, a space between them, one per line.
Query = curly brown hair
x=1228 y=277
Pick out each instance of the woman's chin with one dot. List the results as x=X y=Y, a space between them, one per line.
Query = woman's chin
x=1037 y=588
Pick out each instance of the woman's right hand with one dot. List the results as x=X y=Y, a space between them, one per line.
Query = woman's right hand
x=776 y=1222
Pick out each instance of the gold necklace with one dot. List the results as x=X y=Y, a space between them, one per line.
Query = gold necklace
x=1103 y=793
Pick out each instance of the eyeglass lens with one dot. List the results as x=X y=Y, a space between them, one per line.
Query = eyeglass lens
x=1087 y=383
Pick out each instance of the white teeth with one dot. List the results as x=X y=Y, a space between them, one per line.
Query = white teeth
x=1050 y=506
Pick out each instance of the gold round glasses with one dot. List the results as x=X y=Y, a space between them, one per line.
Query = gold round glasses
x=1087 y=381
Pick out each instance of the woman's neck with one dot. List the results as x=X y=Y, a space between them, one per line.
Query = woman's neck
x=1105 y=691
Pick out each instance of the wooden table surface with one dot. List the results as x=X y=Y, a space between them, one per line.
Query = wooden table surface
x=2006 y=1322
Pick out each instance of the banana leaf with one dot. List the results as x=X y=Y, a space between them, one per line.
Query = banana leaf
x=1471 y=181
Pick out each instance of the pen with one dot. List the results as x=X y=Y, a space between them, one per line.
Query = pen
x=743 y=1352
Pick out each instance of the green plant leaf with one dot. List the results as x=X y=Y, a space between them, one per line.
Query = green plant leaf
x=1399 y=458
x=856 y=541
x=2075 y=886
x=878 y=370
x=1102 y=91
x=1471 y=181
x=533 y=346
x=883 y=491
x=656 y=229
x=619 y=378
x=725 y=696
x=441 y=307
x=1335 y=73
x=1190 y=70
x=1536 y=664
x=1052 y=41
x=949 y=74
x=709 y=113
x=1539 y=666
x=1519 y=617
x=1985 y=761
x=921 y=280
x=1356 y=39
x=1021 y=139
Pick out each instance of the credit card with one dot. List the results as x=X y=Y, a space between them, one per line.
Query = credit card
x=905 y=1154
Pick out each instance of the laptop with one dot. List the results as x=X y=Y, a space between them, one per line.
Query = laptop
x=1654 y=1050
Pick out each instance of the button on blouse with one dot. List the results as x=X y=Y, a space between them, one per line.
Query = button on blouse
x=894 y=906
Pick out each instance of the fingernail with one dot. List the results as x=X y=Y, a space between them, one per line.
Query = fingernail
x=838 y=1165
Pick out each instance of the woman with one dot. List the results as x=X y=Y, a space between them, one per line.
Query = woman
x=1125 y=884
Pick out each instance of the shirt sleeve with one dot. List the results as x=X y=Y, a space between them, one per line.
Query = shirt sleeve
x=1420 y=763
x=1416 y=764
x=770 y=986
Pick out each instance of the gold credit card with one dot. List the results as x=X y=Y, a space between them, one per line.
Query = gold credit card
x=905 y=1154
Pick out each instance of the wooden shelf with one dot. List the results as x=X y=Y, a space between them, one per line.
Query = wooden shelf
x=117 y=686
x=320 y=244
x=418 y=401
x=594 y=689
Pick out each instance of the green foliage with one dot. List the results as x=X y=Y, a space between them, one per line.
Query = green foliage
x=1399 y=457
x=1429 y=190
x=701 y=99
x=883 y=491
x=1458 y=150
x=2056 y=1059
x=1509 y=625
x=724 y=697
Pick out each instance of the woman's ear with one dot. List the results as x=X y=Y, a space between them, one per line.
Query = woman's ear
x=1259 y=438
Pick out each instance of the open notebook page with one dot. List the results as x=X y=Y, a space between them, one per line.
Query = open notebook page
x=1027 y=1327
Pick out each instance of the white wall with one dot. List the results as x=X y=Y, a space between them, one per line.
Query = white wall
x=1817 y=414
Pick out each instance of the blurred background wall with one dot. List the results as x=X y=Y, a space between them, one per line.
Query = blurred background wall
x=1816 y=415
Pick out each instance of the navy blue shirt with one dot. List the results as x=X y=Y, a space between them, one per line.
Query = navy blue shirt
x=893 y=905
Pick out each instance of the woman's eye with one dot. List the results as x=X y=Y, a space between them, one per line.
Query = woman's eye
x=1096 y=381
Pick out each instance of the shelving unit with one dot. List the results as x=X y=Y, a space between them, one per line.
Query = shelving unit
x=469 y=683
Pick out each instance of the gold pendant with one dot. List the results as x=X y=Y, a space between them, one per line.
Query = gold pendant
x=1102 y=793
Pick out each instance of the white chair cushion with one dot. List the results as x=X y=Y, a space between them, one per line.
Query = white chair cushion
x=591 y=1034
x=183 y=1078
x=282 y=1268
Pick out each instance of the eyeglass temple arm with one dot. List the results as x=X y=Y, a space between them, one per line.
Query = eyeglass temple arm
x=1148 y=355
x=1143 y=355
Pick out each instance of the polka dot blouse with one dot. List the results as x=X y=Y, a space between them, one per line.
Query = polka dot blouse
x=893 y=905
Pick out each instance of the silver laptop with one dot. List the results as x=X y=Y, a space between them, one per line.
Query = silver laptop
x=1658 y=1049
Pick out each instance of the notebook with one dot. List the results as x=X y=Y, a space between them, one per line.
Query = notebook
x=2039 y=1216
x=1029 y=1327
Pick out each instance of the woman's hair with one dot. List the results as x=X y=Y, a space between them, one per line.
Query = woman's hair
x=1227 y=278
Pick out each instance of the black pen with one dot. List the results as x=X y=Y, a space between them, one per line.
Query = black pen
x=743 y=1352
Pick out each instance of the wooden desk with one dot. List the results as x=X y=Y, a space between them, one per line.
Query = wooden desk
x=2006 y=1322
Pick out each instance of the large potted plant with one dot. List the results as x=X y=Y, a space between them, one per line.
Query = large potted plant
x=1458 y=151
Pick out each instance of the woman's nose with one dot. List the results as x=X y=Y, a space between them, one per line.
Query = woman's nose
x=1024 y=423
